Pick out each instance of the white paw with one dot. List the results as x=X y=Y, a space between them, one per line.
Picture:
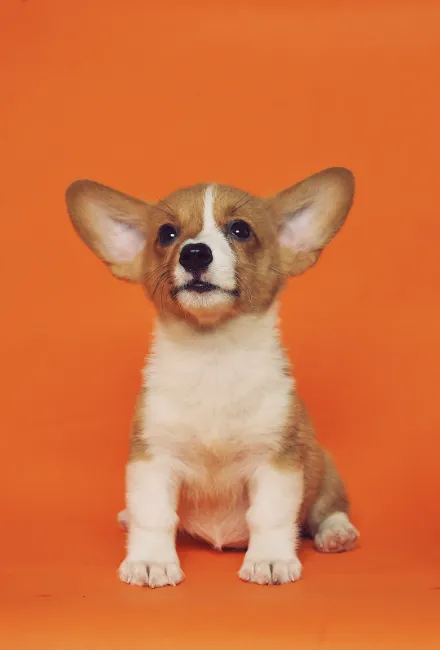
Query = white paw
x=270 y=572
x=150 y=574
x=336 y=534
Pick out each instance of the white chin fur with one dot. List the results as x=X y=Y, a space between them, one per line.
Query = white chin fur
x=193 y=301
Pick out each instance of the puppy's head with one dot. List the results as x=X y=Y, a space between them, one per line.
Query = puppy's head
x=208 y=252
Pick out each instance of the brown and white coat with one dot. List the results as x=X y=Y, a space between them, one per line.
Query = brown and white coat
x=221 y=444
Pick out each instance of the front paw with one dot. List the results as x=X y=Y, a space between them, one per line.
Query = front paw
x=271 y=572
x=146 y=573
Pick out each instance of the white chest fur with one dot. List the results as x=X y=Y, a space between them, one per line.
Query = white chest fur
x=215 y=405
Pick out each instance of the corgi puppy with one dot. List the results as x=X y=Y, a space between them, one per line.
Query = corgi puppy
x=221 y=446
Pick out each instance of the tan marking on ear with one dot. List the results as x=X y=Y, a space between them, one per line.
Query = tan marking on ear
x=297 y=263
x=104 y=219
x=309 y=214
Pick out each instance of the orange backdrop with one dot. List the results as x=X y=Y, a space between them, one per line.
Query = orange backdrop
x=150 y=96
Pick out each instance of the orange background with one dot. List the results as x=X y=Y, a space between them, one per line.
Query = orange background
x=150 y=96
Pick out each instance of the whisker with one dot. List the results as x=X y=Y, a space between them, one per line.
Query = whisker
x=159 y=269
x=161 y=282
x=162 y=292
x=241 y=202
x=272 y=268
x=278 y=272
x=169 y=211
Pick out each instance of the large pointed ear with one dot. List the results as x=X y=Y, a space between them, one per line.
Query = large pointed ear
x=309 y=216
x=111 y=224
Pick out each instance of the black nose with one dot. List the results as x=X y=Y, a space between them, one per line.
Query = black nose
x=195 y=257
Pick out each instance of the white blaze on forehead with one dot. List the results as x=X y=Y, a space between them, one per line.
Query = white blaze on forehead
x=221 y=271
x=209 y=224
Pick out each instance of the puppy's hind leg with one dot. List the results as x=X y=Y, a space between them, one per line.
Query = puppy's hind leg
x=328 y=521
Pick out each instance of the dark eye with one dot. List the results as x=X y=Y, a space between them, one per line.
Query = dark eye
x=240 y=230
x=167 y=234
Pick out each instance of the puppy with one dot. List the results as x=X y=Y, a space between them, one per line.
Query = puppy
x=221 y=444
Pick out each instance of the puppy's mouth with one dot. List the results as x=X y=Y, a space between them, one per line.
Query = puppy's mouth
x=198 y=286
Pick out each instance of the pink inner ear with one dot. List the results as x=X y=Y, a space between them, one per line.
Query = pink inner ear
x=299 y=232
x=121 y=241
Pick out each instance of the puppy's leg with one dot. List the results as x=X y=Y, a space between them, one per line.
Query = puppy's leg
x=275 y=499
x=152 y=494
x=328 y=520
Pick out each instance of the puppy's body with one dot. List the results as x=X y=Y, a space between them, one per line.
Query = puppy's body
x=231 y=397
x=221 y=444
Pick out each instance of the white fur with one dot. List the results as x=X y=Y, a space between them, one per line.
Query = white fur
x=152 y=494
x=216 y=408
x=300 y=232
x=336 y=533
x=122 y=242
x=275 y=501
x=221 y=271
x=216 y=401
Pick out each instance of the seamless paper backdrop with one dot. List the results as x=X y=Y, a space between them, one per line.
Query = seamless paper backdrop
x=150 y=96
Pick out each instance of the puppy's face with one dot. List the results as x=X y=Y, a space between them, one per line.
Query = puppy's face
x=208 y=252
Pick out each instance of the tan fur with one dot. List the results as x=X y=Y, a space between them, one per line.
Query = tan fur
x=258 y=260
x=331 y=497
x=183 y=209
x=324 y=492
x=138 y=446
